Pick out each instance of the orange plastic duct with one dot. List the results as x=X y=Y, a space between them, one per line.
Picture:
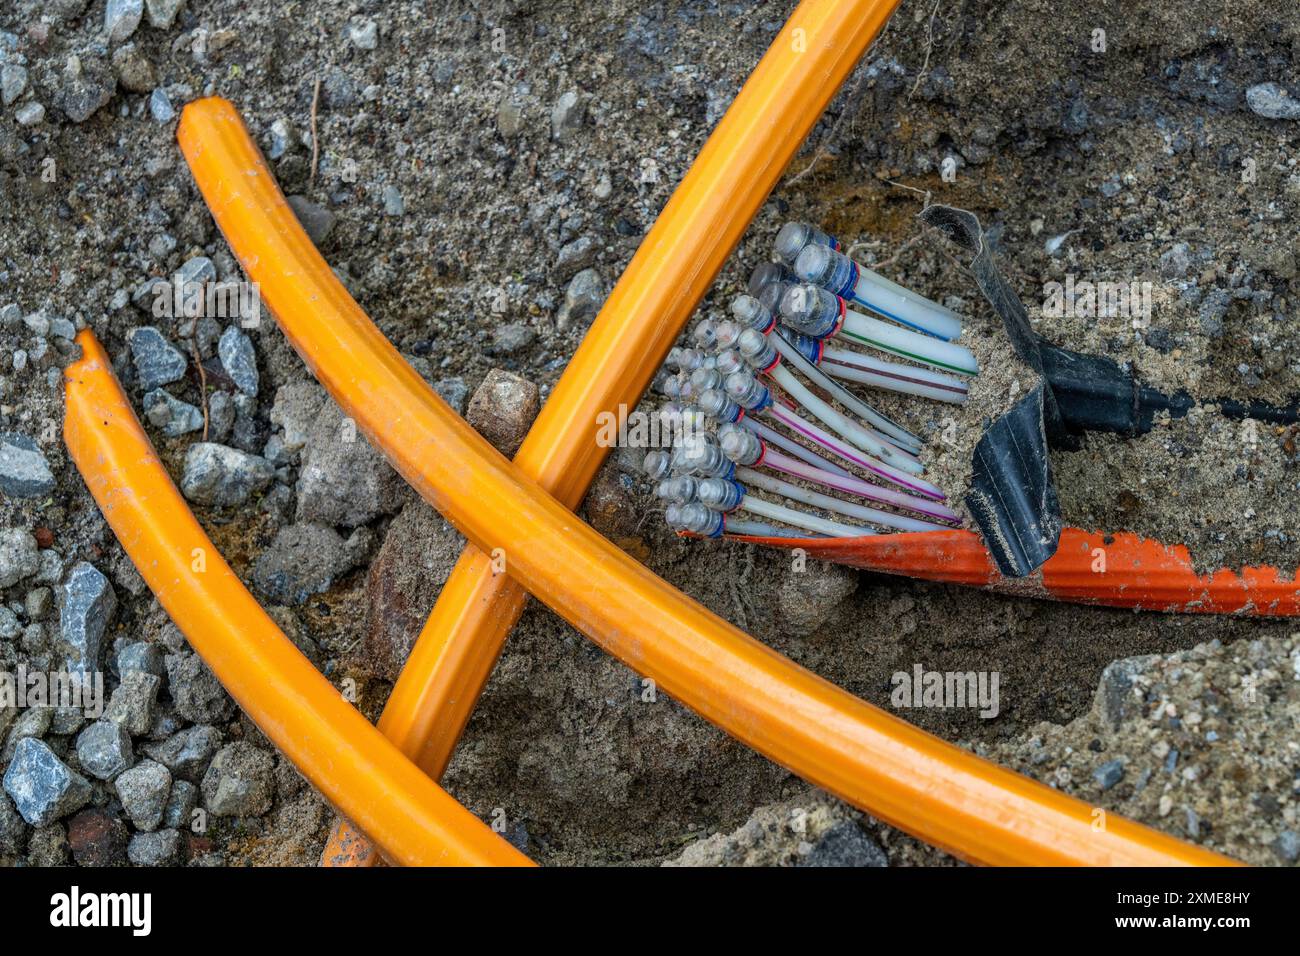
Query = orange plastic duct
x=909 y=778
x=354 y=766
x=1117 y=570
x=672 y=269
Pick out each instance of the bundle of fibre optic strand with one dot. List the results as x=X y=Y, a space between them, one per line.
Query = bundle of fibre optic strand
x=758 y=418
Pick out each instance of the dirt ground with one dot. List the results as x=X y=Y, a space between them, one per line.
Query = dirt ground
x=464 y=192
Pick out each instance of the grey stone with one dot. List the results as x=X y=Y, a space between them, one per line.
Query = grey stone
x=160 y=106
x=140 y=656
x=88 y=85
x=305 y=559
x=180 y=805
x=161 y=848
x=513 y=337
x=295 y=410
x=239 y=782
x=1109 y=774
x=61 y=328
x=503 y=408
x=132 y=703
x=9 y=625
x=281 y=139
x=196 y=271
x=133 y=69
x=162 y=13
x=13 y=831
x=1175 y=262
x=223 y=477
x=157 y=361
x=221 y=416
x=394 y=205
x=104 y=749
x=342 y=479
x=66 y=720
x=510 y=118
x=187 y=752
x=1272 y=101
x=576 y=255
x=88 y=606
x=454 y=392
x=24 y=472
x=38 y=323
x=34 y=722
x=1115 y=699
x=170 y=415
x=1287 y=846
x=13 y=81
x=38 y=602
x=844 y=845
x=42 y=786
x=30 y=114
x=121 y=18
x=197 y=694
x=144 y=790
x=238 y=359
x=582 y=299
x=19 y=558
x=317 y=221
x=364 y=34
x=566 y=116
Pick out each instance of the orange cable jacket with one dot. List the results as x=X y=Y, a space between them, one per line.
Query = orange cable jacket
x=672 y=269
x=911 y=779
x=357 y=769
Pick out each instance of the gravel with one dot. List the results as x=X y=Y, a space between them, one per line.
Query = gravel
x=24 y=472
x=187 y=752
x=239 y=782
x=160 y=848
x=239 y=359
x=104 y=749
x=41 y=785
x=503 y=408
x=87 y=608
x=144 y=790
x=157 y=361
x=223 y=477
x=18 y=556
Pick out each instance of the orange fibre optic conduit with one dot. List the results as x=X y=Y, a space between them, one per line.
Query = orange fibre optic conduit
x=1117 y=569
x=909 y=778
x=356 y=768
x=672 y=269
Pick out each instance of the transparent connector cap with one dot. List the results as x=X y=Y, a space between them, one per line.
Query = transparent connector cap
x=764 y=274
x=700 y=455
x=704 y=334
x=728 y=333
x=747 y=391
x=756 y=349
x=677 y=490
x=706 y=378
x=752 y=313
x=730 y=361
x=695 y=518
x=715 y=403
x=810 y=309
x=771 y=295
x=794 y=237
x=719 y=494
x=825 y=267
x=741 y=445
x=657 y=464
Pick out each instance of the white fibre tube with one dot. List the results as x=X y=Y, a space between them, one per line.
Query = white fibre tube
x=886 y=519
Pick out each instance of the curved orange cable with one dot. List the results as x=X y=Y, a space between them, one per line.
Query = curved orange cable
x=354 y=766
x=903 y=775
